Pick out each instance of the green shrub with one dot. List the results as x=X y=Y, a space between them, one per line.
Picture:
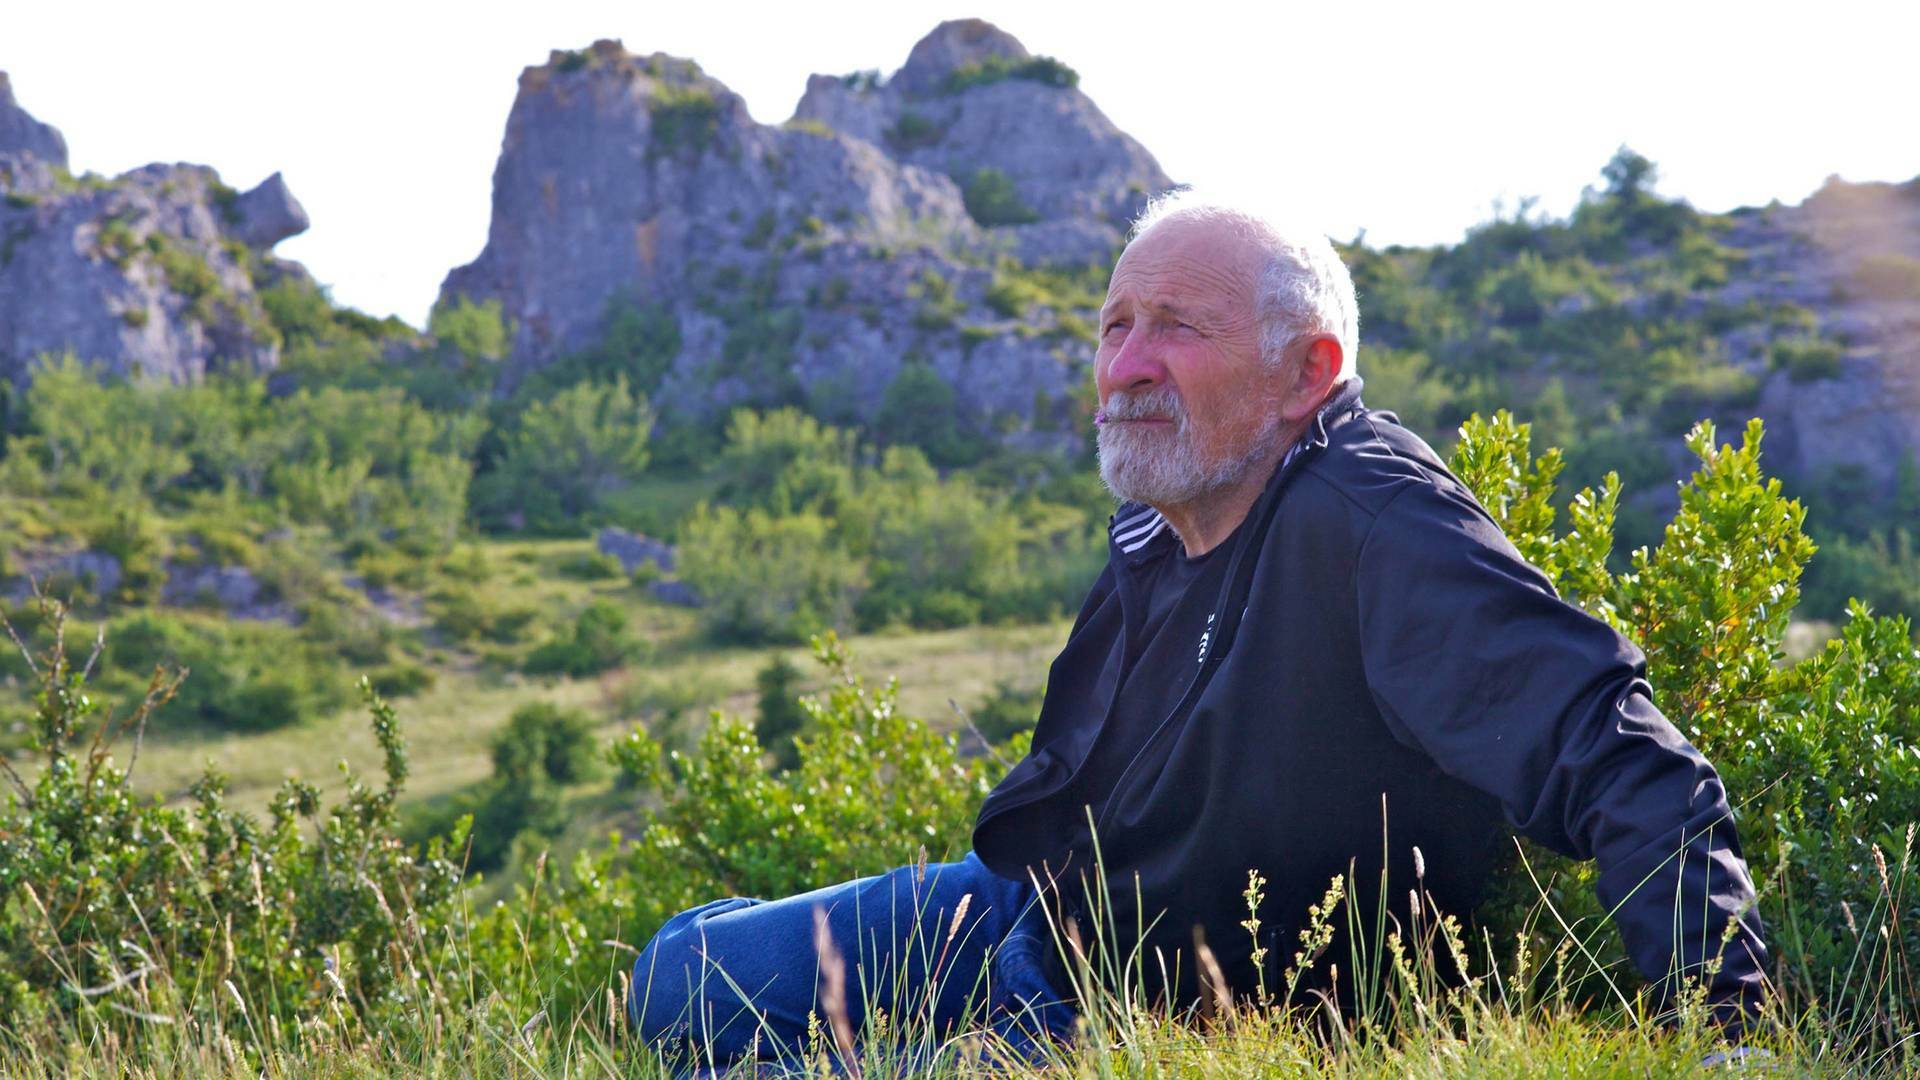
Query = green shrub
x=1822 y=759
x=191 y=908
x=241 y=676
x=401 y=680
x=780 y=716
x=1009 y=710
x=598 y=640
x=913 y=131
x=992 y=200
x=768 y=578
x=567 y=455
x=872 y=789
x=683 y=118
x=993 y=69
x=542 y=741
x=1888 y=277
x=590 y=566
x=1806 y=359
x=469 y=614
x=918 y=409
x=477 y=331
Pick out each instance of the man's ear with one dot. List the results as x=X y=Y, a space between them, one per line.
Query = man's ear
x=1313 y=377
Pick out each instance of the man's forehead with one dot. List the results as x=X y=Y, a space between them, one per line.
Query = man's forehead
x=1180 y=280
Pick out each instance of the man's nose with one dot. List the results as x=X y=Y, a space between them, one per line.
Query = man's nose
x=1136 y=366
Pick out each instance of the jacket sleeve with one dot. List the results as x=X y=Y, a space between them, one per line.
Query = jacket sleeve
x=1475 y=661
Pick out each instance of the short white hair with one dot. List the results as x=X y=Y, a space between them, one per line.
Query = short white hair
x=1304 y=290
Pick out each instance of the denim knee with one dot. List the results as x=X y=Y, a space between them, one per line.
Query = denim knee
x=670 y=976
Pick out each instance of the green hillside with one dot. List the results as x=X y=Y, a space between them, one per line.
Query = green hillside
x=408 y=516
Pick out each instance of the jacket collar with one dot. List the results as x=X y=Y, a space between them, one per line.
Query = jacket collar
x=1139 y=529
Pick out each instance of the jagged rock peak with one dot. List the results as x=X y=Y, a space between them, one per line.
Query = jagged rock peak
x=268 y=214
x=21 y=133
x=609 y=56
x=951 y=46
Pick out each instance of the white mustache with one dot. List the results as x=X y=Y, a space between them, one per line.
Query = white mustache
x=1161 y=401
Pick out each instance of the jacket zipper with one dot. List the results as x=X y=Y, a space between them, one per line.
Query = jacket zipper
x=1227 y=628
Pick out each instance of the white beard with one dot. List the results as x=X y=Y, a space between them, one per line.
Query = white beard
x=1166 y=468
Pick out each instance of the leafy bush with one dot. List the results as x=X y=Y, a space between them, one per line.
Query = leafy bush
x=919 y=409
x=542 y=741
x=1806 y=359
x=683 y=118
x=1822 y=759
x=872 y=789
x=1888 y=277
x=478 y=331
x=1041 y=69
x=245 y=677
x=469 y=614
x=598 y=640
x=1010 y=709
x=767 y=577
x=913 y=131
x=401 y=680
x=590 y=566
x=781 y=715
x=992 y=200
x=191 y=909
x=567 y=455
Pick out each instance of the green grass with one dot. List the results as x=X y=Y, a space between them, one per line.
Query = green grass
x=450 y=723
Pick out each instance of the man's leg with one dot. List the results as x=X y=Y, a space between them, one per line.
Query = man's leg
x=739 y=978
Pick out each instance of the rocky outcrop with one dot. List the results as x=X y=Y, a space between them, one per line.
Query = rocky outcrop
x=268 y=214
x=635 y=550
x=971 y=98
x=154 y=274
x=23 y=136
x=809 y=261
x=1850 y=254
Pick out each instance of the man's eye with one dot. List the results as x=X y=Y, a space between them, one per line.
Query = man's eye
x=1111 y=327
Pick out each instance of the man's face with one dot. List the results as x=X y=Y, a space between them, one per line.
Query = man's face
x=1188 y=405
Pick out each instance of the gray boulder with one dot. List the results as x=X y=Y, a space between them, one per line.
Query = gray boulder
x=634 y=549
x=99 y=572
x=269 y=214
x=230 y=588
x=675 y=592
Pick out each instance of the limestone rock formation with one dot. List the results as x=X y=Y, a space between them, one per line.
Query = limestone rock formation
x=21 y=134
x=808 y=262
x=155 y=273
x=1851 y=254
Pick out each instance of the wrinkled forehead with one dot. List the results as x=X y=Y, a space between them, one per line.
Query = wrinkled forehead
x=1205 y=262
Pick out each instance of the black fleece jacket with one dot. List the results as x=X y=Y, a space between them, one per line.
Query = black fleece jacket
x=1383 y=672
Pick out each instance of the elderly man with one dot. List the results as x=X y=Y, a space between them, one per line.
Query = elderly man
x=1311 y=650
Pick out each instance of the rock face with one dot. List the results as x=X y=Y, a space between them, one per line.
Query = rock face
x=1850 y=253
x=635 y=550
x=809 y=261
x=22 y=135
x=154 y=274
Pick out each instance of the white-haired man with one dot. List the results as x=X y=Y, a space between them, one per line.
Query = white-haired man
x=1311 y=652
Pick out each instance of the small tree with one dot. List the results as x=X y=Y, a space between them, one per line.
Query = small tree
x=570 y=452
x=781 y=714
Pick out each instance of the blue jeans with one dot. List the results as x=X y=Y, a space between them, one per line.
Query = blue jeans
x=738 y=979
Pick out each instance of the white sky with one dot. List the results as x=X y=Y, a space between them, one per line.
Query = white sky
x=1410 y=120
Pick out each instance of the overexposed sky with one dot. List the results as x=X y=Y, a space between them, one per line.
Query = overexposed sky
x=1410 y=120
